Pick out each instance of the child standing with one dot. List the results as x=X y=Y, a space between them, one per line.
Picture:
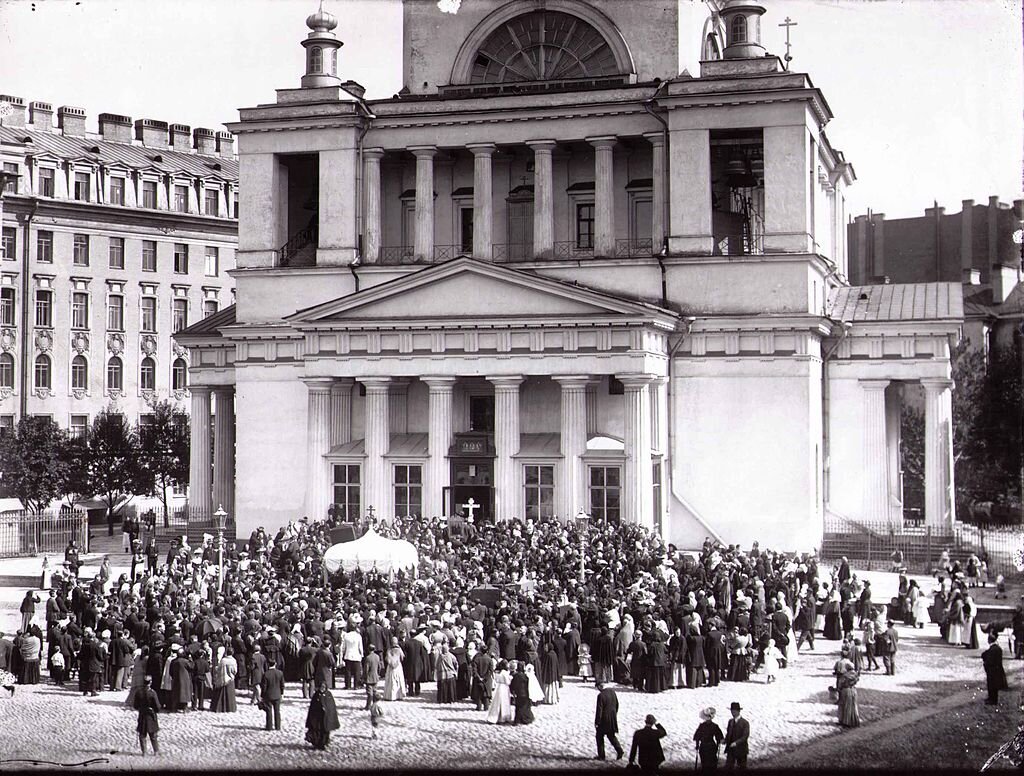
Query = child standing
x=869 y=646
x=772 y=659
x=376 y=713
x=586 y=666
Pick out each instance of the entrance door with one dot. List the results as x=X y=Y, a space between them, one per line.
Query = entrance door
x=473 y=479
x=520 y=229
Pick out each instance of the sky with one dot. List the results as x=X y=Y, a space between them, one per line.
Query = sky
x=928 y=95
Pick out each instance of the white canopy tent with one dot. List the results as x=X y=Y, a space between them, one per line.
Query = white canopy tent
x=372 y=551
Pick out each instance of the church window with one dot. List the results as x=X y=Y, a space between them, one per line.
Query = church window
x=605 y=492
x=346 y=491
x=408 y=486
x=585 y=226
x=543 y=46
x=316 y=60
x=539 y=489
x=739 y=29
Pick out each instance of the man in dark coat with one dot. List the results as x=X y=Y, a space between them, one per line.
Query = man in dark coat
x=603 y=655
x=121 y=660
x=181 y=682
x=90 y=665
x=606 y=720
x=482 y=671
x=737 y=736
x=322 y=717
x=646 y=748
x=805 y=621
x=323 y=666
x=272 y=689
x=520 y=690
x=200 y=675
x=995 y=675
x=415 y=666
x=257 y=668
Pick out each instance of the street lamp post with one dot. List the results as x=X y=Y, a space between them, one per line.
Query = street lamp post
x=221 y=517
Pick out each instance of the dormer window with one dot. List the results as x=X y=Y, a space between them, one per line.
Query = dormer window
x=739 y=30
x=316 y=60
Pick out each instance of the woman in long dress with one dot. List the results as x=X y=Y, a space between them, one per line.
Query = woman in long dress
x=501 y=701
x=445 y=673
x=955 y=620
x=394 y=674
x=535 y=691
x=550 y=674
x=919 y=605
x=31 y=647
x=739 y=655
x=846 y=681
x=833 y=624
x=224 y=683
x=970 y=635
x=322 y=717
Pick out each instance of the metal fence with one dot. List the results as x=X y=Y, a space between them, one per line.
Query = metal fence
x=176 y=522
x=872 y=545
x=24 y=534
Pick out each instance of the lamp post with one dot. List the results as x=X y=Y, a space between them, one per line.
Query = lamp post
x=220 y=516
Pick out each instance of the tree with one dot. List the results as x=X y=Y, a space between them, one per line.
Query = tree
x=76 y=456
x=32 y=462
x=115 y=463
x=165 y=449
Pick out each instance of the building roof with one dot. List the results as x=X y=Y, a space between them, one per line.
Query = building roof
x=209 y=326
x=898 y=302
x=106 y=152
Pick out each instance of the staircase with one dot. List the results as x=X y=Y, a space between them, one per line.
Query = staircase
x=300 y=250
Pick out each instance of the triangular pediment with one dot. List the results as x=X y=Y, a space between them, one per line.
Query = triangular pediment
x=466 y=288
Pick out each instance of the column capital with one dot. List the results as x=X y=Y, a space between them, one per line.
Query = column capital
x=542 y=146
x=320 y=384
x=604 y=141
x=438 y=384
x=200 y=390
x=578 y=382
x=422 y=152
x=506 y=382
x=223 y=388
x=874 y=385
x=342 y=384
x=936 y=384
x=376 y=384
x=636 y=381
x=373 y=153
x=482 y=149
x=655 y=138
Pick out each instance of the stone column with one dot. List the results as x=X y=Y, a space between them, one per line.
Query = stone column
x=199 y=495
x=224 y=450
x=875 y=477
x=604 y=195
x=938 y=443
x=341 y=411
x=657 y=141
x=423 y=247
x=376 y=482
x=506 y=443
x=637 y=485
x=483 y=200
x=543 y=199
x=372 y=212
x=318 y=422
x=571 y=491
x=439 y=440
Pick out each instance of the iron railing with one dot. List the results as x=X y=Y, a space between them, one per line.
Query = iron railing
x=631 y=248
x=572 y=249
x=24 y=534
x=298 y=241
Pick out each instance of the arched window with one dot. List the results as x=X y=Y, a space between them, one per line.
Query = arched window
x=6 y=370
x=316 y=60
x=179 y=375
x=739 y=30
x=79 y=373
x=43 y=371
x=147 y=374
x=543 y=46
x=115 y=374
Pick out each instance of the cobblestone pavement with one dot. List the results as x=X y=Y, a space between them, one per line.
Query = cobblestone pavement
x=44 y=722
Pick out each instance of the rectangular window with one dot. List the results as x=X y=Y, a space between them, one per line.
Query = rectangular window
x=11 y=180
x=179 y=314
x=148 y=306
x=212 y=262
x=46 y=181
x=346 y=491
x=149 y=194
x=408 y=490
x=116 y=253
x=80 y=310
x=8 y=306
x=585 y=226
x=44 y=308
x=540 y=491
x=10 y=243
x=81 y=251
x=181 y=258
x=115 y=312
x=181 y=198
x=117 y=191
x=212 y=201
x=44 y=246
x=82 y=186
x=605 y=485
x=79 y=425
x=209 y=307
x=149 y=255
x=6 y=424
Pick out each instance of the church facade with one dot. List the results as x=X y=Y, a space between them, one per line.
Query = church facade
x=553 y=276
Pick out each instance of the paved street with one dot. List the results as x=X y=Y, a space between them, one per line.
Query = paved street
x=43 y=722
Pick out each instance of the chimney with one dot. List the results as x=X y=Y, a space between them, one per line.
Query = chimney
x=41 y=116
x=993 y=230
x=115 y=128
x=17 y=117
x=71 y=120
x=152 y=133
x=181 y=137
x=878 y=248
x=971 y=276
x=1004 y=280
x=226 y=145
x=967 y=241
x=205 y=141
x=934 y=212
x=861 y=253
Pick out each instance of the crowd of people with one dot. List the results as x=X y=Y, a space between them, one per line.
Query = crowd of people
x=497 y=616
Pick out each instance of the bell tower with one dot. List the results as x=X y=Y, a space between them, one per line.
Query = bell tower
x=321 y=51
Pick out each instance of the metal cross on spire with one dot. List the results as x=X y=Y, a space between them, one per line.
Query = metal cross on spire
x=787 y=24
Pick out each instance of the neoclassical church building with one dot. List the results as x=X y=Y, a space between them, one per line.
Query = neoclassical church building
x=554 y=275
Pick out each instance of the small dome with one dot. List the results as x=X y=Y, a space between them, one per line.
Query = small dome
x=321 y=21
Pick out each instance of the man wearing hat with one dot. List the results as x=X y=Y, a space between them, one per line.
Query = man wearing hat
x=736 y=735
x=371 y=673
x=646 y=748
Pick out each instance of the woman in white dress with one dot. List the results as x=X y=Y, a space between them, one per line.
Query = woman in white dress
x=536 y=691
x=501 y=701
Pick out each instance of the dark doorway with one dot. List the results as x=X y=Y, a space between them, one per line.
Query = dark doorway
x=472 y=489
x=481 y=414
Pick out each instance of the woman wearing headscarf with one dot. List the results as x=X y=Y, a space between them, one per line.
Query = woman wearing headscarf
x=657 y=664
x=31 y=647
x=224 y=683
x=846 y=681
x=695 y=676
x=322 y=717
x=708 y=737
x=623 y=641
x=445 y=673
x=394 y=673
x=550 y=674
x=833 y=626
